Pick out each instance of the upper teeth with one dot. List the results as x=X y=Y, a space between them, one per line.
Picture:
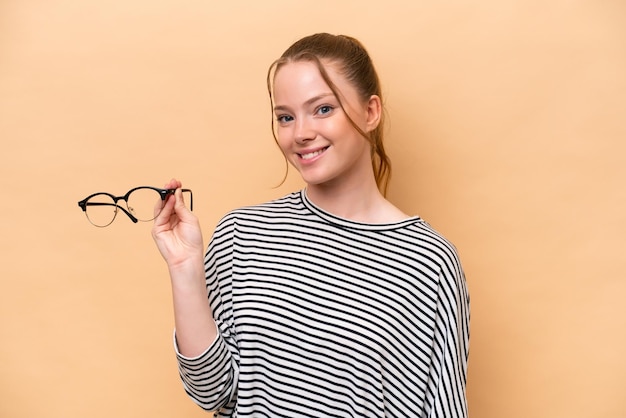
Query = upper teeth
x=311 y=154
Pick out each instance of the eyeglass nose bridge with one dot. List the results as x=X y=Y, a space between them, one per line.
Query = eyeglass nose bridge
x=118 y=206
x=126 y=211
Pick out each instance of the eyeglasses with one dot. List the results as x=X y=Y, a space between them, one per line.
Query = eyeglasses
x=141 y=205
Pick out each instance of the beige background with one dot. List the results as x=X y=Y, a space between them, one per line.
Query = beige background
x=507 y=134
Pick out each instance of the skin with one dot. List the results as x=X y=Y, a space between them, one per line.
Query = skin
x=178 y=236
x=331 y=156
x=339 y=175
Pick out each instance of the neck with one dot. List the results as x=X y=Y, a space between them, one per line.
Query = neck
x=357 y=202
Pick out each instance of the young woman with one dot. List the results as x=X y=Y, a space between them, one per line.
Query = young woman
x=329 y=301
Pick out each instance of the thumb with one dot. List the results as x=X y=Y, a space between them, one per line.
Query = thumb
x=180 y=206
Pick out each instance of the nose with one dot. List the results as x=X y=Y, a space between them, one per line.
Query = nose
x=303 y=131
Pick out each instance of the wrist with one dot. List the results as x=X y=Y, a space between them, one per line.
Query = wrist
x=188 y=272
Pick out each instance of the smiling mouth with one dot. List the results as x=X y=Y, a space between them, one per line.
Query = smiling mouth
x=313 y=154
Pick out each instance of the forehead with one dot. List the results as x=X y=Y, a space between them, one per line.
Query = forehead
x=302 y=72
x=303 y=78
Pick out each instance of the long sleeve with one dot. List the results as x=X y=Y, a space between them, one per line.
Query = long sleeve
x=446 y=396
x=211 y=378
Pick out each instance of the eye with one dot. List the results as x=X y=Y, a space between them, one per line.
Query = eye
x=324 y=110
x=282 y=119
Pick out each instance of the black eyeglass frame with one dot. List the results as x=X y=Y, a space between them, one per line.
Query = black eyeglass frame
x=83 y=204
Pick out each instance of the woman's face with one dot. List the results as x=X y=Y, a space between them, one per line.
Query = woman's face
x=313 y=131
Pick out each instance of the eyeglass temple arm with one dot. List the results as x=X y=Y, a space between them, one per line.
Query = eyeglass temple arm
x=190 y=198
x=172 y=191
x=84 y=205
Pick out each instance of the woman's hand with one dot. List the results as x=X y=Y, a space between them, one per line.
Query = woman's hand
x=176 y=230
x=177 y=234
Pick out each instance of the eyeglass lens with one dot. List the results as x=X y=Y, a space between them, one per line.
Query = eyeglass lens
x=101 y=209
x=141 y=203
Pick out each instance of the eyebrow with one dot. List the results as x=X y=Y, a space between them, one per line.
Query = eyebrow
x=308 y=102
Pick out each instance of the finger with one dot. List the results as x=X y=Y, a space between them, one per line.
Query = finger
x=180 y=206
x=173 y=184
x=164 y=210
x=180 y=200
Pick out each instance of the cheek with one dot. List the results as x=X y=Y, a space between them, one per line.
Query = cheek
x=282 y=139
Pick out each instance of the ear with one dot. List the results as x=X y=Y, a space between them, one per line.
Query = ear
x=374 y=112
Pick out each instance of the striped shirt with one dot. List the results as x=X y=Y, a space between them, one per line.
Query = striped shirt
x=320 y=316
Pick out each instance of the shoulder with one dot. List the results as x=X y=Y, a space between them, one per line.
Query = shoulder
x=434 y=245
x=288 y=205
